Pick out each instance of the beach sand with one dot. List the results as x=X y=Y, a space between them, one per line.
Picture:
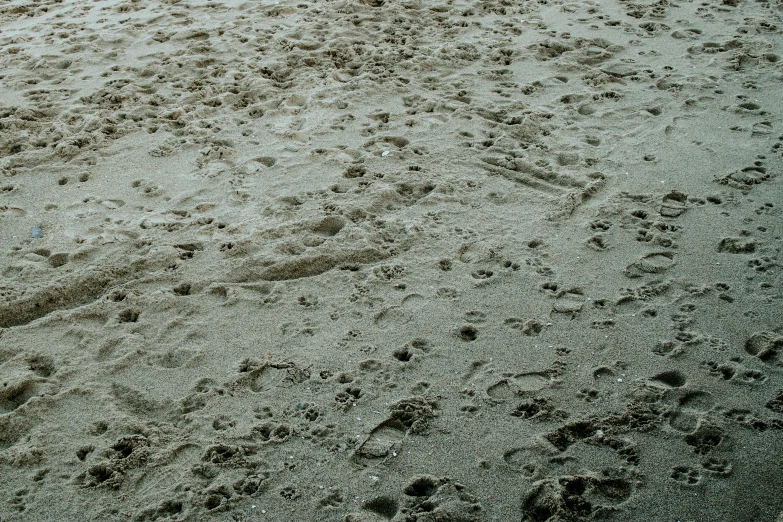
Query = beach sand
x=391 y=260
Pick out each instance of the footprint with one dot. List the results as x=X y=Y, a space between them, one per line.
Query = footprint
x=394 y=316
x=747 y=419
x=529 y=461
x=717 y=467
x=539 y=408
x=113 y=204
x=531 y=327
x=482 y=274
x=14 y=396
x=569 y=301
x=600 y=225
x=173 y=358
x=576 y=497
x=146 y=187
x=604 y=379
x=331 y=226
x=726 y=371
x=12 y=211
x=767 y=346
x=588 y=394
x=670 y=379
x=762 y=264
x=735 y=372
x=440 y=498
x=748 y=376
x=42 y=365
x=650 y=264
x=397 y=141
x=384 y=440
x=167 y=508
x=746 y=178
x=389 y=272
x=468 y=333
x=334 y=498
x=736 y=245
x=686 y=475
x=668 y=348
x=597 y=242
x=689 y=411
x=382 y=505
x=518 y=385
x=776 y=403
x=673 y=204
x=568 y=434
x=272 y=433
x=475 y=316
x=705 y=437
x=411 y=415
x=346 y=399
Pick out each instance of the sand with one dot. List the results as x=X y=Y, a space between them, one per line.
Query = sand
x=391 y=260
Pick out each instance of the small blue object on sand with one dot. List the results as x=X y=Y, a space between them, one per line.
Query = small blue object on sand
x=36 y=232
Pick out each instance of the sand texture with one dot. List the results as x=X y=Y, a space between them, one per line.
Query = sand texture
x=391 y=260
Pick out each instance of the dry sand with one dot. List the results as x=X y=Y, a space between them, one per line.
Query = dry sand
x=391 y=260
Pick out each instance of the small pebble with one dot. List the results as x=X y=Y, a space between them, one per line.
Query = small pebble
x=36 y=232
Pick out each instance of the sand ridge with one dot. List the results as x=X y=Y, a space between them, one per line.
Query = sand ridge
x=390 y=260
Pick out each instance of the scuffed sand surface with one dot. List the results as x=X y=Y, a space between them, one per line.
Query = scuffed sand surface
x=407 y=261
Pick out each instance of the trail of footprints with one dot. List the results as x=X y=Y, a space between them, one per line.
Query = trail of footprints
x=230 y=461
x=663 y=400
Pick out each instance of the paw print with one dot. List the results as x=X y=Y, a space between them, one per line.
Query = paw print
x=146 y=187
x=290 y=493
x=588 y=394
x=686 y=475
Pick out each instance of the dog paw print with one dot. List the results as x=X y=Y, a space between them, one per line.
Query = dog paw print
x=146 y=187
x=717 y=467
x=761 y=264
x=588 y=394
x=290 y=493
x=347 y=398
x=686 y=475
